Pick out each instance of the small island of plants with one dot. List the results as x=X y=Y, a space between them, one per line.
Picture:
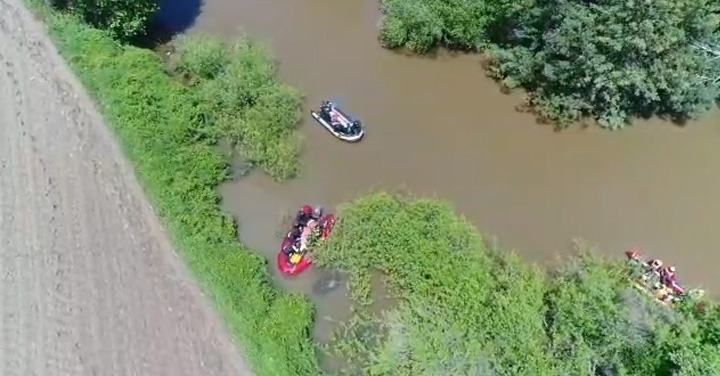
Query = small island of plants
x=465 y=308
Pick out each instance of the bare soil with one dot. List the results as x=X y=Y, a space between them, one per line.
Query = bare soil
x=90 y=284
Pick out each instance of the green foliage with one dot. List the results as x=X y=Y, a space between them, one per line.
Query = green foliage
x=243 y=101
x=614 y=60
x=610 y=60
x=423 y=25
x=465 y=309
x=155 y=116
x=124 y=19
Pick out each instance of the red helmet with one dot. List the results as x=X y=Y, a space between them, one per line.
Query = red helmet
x=307 y=209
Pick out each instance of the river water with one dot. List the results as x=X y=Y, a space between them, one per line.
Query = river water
x=437 y=126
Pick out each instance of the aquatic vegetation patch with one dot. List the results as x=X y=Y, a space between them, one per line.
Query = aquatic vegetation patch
x=236 y=87
x=467 y=309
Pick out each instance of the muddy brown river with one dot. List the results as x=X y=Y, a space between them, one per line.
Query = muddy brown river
x=438 y=126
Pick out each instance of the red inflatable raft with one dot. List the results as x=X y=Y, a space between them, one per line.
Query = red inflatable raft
x=290 y=261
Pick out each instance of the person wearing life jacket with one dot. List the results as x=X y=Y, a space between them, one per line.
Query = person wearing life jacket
x=295 y=233
x=295 y=258
x=335 y=122
x=668 y=276
x=308 y=230
x=667 y=295
x=655 y=266
x=303 y=216
x=355 y=127
x=317 y=213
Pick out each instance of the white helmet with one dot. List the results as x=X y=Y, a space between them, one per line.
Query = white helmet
x=317 y=212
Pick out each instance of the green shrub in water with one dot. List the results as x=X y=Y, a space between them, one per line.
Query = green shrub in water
x=243 y=101
x=124 y=19
x=465 y=309
x=423 y=25
x=161 y=125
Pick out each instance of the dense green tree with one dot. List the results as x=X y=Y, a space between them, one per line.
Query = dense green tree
x=124 y=19
x=610 y=60
x=614 y=59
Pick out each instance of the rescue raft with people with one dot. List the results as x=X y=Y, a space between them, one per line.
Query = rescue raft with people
x=310 y=225
x=335 y=121
x=660 y=281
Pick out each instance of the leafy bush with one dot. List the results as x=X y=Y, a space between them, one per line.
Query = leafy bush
x=243 y=101
x=155 y=118
x=423 y=25
x=124 y=19
x=611 y=60
x=615 y=60
x=465 y=309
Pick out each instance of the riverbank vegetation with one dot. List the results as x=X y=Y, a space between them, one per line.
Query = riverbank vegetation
x=242 y=101
x=611 y=60
x=465 y=309
x=168 y=129
x=123 y=19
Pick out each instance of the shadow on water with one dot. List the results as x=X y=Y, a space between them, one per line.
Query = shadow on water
x=173 y=18
x=177 y=16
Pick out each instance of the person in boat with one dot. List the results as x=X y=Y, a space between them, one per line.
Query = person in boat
x=317 y=213
x=665 y=295
x=295 y=258
x=327 y=107
x=668 y=276
x=655 y=266
x=295 y=233
x=303 y=216
x=291 y=247
x=335 y=121
x=355 y=127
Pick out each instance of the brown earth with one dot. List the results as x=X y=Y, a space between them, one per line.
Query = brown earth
x=90 y=284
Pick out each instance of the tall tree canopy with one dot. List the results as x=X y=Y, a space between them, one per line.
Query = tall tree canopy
x=610 y=60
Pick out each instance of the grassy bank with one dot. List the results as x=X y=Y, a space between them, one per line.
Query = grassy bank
x=465 y=309
x=168 y=132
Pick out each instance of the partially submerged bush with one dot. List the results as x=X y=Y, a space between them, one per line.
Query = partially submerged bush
x=465 y=309
x=243 y=101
